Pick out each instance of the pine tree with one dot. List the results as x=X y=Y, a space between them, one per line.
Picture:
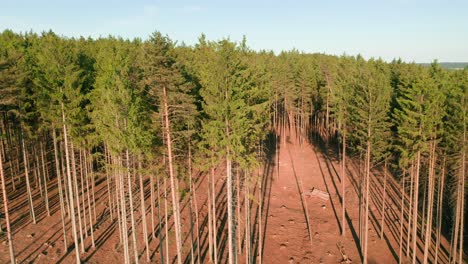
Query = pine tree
x=166 y=82
x=370 y=113
x=340 y=105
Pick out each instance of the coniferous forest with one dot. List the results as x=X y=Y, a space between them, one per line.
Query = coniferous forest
x=170 y=151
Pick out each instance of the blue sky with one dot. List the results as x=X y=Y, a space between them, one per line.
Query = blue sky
x=414 y=30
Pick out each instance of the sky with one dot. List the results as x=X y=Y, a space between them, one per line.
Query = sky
x=413 y=30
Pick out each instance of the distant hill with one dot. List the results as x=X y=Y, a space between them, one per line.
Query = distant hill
x=450 y=65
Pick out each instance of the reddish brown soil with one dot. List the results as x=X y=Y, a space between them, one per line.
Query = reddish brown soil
x=284 y=225
x=287 y=237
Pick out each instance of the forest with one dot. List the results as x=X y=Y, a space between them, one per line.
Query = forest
x=163 y=147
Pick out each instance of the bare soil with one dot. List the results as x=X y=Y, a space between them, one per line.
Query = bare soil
x=285 y=229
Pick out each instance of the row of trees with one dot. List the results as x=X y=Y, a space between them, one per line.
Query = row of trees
x=401 y=118
x=144 y=115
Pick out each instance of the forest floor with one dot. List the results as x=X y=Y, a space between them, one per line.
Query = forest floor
x=302 y=168
x=291 y=170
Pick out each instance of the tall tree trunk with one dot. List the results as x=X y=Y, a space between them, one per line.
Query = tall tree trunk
x=77 y=195
x=383 y=201
x=166 y=222
x=210 y=221
x=36 y=171
x=403 y=193
x=93 y=184
x=89 y=197
x=153 y=230
x=59 y=180
x=132 y=217
x=430 y=202
x=230 y=211
x=366 y=216
x=415 y=205
x=193 y=197
x=70 y=188
x=28 y=185
x=83 y=196
x=439 y=211
x=7 y=213
x=462 y=221
x=44 y=173
x=118 y=199
x=238 y=207
x=248 y=240
x=175 y=195
x=214 y=216
x=260 y=234
x=197 y=225
x=109 y=183
x=343 y=182
x=123 y=210
x=63 y=170
x=143 y=211
x=410 y=209
x=161 y=247
x=455 y=228
x=462 y=197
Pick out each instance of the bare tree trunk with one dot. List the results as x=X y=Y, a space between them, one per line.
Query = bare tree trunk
x=439 y=212
x=175 y=195
x=403 y=193
x=93 y=183
x=415 y=206
x=59 y=180
x=143 y=211
x=36 y=171
x=197 y=225
x=132 y=217
x=430 y=203
x=260 y=234
x=7 y=213
x=410 y=210
x=248 y=240
x=229 y=199
x=462 y=209
x=383 y=201
x=462 y=221
x=81 y=154
x=214 y=218
x=153 y=231
x=77 y=195
x=366 y=216
x=89 y=198
x=161 y=247
x=123 y=210
x=70 y=188
x=45 y=179
x=210 y=221
x=28 y=185
x=109 y=183
x=65 y=181
x=118 y=199
x=194 y=203
x=238 y=207
x=343 y=183
x=455 y=228
x=166 y=222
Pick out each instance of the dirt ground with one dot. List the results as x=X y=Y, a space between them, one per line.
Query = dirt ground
x=287 y=235
x=298 y=169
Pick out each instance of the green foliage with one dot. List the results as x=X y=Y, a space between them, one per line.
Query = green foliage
x=370 y=106
x=223 y=99
x=233 y=104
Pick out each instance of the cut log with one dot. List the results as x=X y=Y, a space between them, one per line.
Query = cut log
x=314 y=192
